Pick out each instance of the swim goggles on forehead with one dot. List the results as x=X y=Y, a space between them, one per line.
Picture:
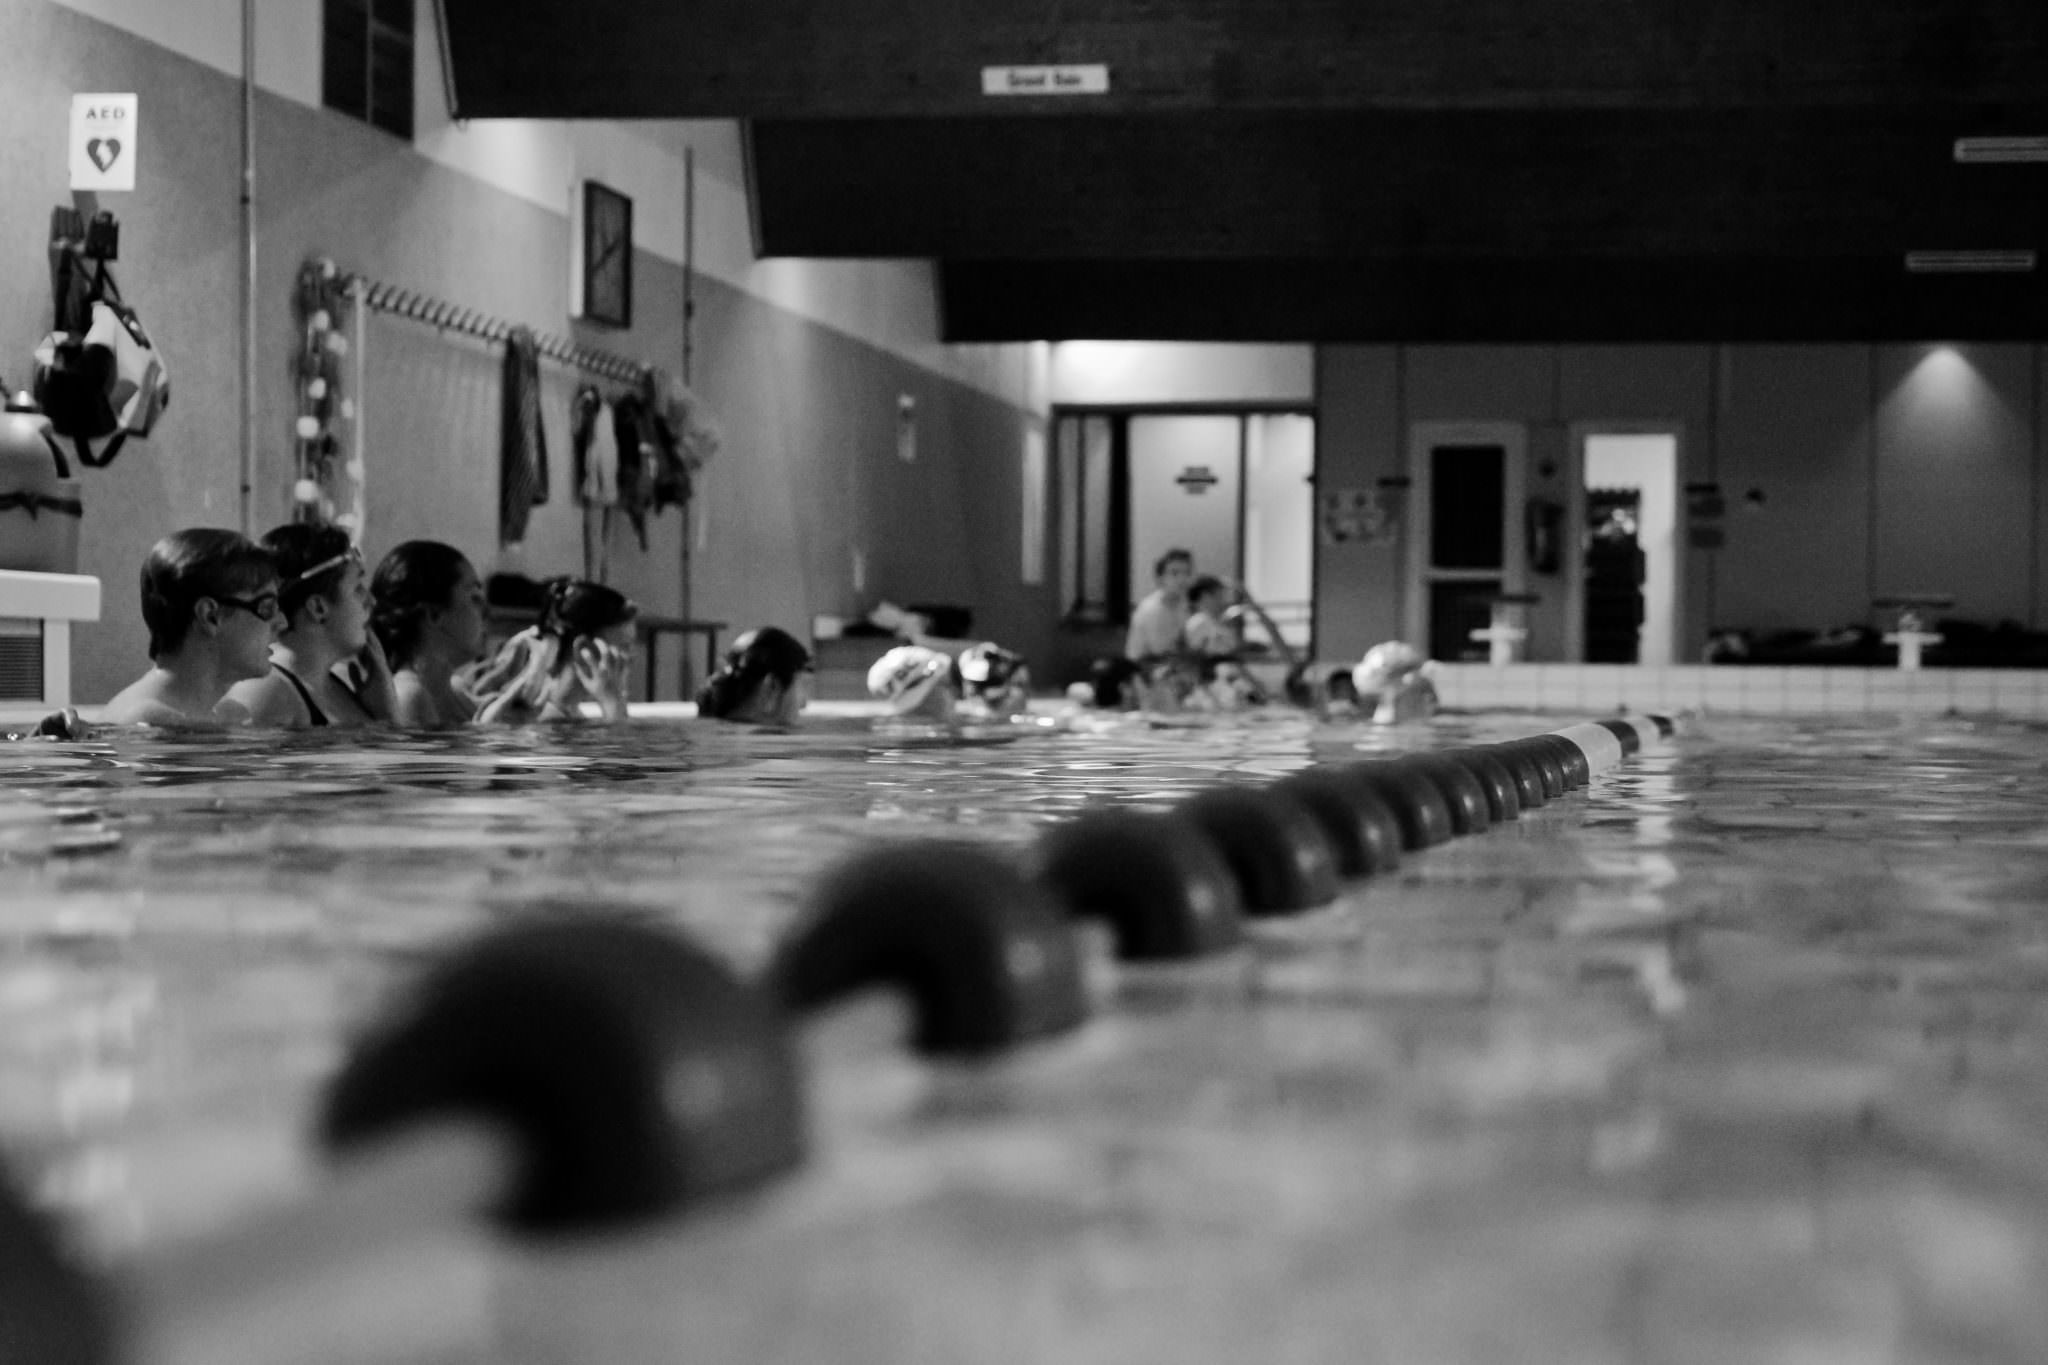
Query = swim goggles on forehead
x=352 y=555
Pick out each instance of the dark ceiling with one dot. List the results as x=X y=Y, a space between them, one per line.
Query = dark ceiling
x=1464 y=170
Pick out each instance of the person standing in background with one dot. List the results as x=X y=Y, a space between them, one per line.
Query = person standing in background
x=1158 y=622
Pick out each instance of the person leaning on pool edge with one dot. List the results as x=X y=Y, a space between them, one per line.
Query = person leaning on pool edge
x=428 y=609
x=324 y=595
x=209 y=599
x=765 y=679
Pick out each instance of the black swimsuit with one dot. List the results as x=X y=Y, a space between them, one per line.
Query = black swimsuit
x=315 y=715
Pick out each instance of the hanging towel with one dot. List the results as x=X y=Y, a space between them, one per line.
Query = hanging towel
x=523 y=468
x=633 y=424
x=597 y=449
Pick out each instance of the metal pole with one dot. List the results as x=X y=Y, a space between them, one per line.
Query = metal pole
x=248 y=460
x=689 y=310
x=359 y=296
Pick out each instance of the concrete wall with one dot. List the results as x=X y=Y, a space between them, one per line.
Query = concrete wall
x=1880 y=469
x=807 y=401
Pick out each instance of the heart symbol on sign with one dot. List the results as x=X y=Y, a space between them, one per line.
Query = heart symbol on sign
x=104 y=151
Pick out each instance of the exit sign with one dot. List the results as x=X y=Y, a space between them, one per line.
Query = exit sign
x=1045 y=80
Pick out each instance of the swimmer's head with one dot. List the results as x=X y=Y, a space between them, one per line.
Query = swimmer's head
x=764 y=678
x=578 y=609
x=187 y=568
x=1116 y=683
x=1206 y=594
x=426 y=597
x=989 y=668
x=1385 y=666
x=914 y=681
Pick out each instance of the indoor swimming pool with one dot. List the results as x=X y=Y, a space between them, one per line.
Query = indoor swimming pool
x=1734 y=1055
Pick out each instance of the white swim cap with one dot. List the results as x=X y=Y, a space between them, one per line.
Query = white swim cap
x=905 y=676
x=1384 y=665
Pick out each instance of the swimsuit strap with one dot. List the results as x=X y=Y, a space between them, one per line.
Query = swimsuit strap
x=313 y=711
x=355 y=695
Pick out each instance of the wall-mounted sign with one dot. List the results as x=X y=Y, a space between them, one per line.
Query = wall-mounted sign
x=1197 y=478
x=1045 y=80
x=104 y=133
x=1359 y=516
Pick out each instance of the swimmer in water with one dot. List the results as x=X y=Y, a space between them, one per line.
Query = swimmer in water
x=577 y=654
x=764 y=679
x=917 y=683
x=324 y=597
x=210 y=601
x=427 y=607
x=1392 y=682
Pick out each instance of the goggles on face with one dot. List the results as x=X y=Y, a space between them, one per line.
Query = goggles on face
x=263 y=606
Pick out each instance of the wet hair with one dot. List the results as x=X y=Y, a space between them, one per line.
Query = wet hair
x=576 y=608
x=769 y=652
x=300 y=546
x=186 y=566
x=416 y=578
x=1186 y=557
x=1204 y=585
x=1109 y=677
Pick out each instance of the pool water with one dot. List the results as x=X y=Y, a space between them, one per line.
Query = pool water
x=1736 y=1055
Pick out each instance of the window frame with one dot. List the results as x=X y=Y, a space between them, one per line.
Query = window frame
x=381 y=34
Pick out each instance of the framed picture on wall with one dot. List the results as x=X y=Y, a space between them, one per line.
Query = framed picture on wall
x=605 y=263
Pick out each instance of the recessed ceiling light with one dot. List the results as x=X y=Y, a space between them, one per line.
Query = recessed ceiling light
x=1969 y=262
x=1988 y=150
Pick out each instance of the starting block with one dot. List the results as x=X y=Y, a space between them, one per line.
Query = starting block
x=1505 y=633
x=1910 y=631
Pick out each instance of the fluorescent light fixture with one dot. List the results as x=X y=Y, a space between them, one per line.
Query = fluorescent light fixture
x=1993 y=150
x=1970 y=262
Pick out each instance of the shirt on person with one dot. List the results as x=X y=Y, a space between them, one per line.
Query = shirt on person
x=1209 y=635
x=1156 y=627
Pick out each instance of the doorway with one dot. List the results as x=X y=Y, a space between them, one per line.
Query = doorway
x=1625 y=608
x=1468 y=543
x=1233 y=487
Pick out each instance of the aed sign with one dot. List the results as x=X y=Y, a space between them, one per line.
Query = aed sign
x=103 y=139
x=1045 y=80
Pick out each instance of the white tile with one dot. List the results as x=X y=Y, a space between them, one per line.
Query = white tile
x=1973 y=691
x=1763 y=689
x=1806 y=690
x=1558 y=686
x=1600 y=686
x=2020 y=693
x=1642 y=687
x=1685 y=685
x=1723 y=687
x=1510 y=687
x=1848 y=689
x=1452 y=685
x=1480 y=688
x=1927 y=692
x=1891 y=690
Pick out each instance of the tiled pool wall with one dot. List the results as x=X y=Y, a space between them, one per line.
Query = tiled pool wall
x=1751 y=689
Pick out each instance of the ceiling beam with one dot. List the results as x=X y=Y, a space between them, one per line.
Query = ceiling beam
x=1821 y=300
x=626 y=59
x=1570 y=183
